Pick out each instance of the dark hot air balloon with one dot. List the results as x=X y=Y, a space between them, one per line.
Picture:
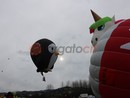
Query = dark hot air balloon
x=44 y=55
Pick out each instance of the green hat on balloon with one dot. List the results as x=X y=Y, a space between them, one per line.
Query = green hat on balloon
x=98 y=21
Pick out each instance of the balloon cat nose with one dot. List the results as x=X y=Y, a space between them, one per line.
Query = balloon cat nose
x=96 y=39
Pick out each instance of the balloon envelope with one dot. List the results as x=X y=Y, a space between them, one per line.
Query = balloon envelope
x=110 y=63
x=43 y=55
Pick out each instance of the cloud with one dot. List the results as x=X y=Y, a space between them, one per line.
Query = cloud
x=66 y=22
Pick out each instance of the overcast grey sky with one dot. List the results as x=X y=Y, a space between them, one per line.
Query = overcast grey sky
x=66 y=22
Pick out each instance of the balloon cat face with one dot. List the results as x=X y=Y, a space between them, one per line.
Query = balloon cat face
x=100 y=26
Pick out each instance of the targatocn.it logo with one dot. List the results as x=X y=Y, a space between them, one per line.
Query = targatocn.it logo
x=70 y=49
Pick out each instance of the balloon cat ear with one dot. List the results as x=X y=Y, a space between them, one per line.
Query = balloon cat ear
x=113 y=18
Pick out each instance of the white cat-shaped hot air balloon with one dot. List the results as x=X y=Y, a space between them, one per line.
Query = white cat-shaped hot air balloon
x=110 y=61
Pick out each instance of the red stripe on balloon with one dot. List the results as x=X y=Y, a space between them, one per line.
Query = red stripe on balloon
x=114 y=75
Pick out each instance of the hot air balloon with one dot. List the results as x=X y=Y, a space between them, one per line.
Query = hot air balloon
x=44 y=55
x=110 y=63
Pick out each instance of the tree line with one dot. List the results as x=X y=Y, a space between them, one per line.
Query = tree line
x=73 y=84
